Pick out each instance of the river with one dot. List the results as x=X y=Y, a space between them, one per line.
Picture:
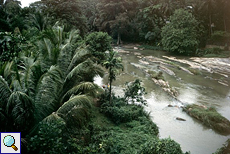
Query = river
x=205 y=88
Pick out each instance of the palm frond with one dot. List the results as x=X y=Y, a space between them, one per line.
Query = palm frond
x=3 y=120
x=74 y=36
x=87 y=88
x=87 y=69
x=99 y=70
x=16 y=86
x=77 y=117
x=80 y=69
x=48 y=47
x=58 y=31
x=5 y=92
x=52 y=117
x=38 y=20
x=79 y=100
x=11 y=72
x=20 y=108
x=26 y=65
x=48 y=90
x=80 y=56
x=64 y=58
x=35 y=75
x=83 y=72
x=8 y=70
x=67 y=50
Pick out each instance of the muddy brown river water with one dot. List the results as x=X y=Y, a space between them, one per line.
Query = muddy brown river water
x=209 y=87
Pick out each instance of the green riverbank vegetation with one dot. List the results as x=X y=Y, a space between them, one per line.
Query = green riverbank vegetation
x=209 y=117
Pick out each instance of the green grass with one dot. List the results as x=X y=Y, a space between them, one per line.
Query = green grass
x=209 y=117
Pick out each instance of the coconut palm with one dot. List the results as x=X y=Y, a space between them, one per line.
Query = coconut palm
x=40 y=90
x=39 y=20
x=16 y=109
x=113 y=64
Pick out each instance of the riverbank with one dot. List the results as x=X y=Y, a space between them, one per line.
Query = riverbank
x=125 y=128
x=195 y=85
x=209 y=117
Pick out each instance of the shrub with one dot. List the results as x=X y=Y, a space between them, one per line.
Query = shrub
x=120 y=111
x=220 y=38
x=48 y=139
x=145 y=125
x=117 y=140
x=210 y=52
x=10 y=45
x=134 y=92
x=161 y=146
x=123 y=113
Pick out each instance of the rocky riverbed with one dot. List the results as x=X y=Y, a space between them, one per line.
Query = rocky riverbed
x=196 y=81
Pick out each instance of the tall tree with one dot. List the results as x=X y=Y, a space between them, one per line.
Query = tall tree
x=181 y=35
x=69 y=11
x=113 y=64
x=115 y=16
x=150 y=22
x=209 y=7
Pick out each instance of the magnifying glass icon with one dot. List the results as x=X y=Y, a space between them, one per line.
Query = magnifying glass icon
x=9 y=141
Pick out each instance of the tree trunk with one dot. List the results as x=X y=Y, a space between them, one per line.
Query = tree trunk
x=210 y=24
x=110 y=92
x=225 y=27
x=118 y=38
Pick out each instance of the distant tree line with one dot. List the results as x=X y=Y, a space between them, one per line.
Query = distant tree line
x=134 y=20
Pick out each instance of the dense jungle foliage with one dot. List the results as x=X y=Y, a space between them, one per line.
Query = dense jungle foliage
x=51 y=51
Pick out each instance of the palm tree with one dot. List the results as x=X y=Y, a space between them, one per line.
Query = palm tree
x=38 y=20
x=37 y=91
x=16 y=109
x=113 y=64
